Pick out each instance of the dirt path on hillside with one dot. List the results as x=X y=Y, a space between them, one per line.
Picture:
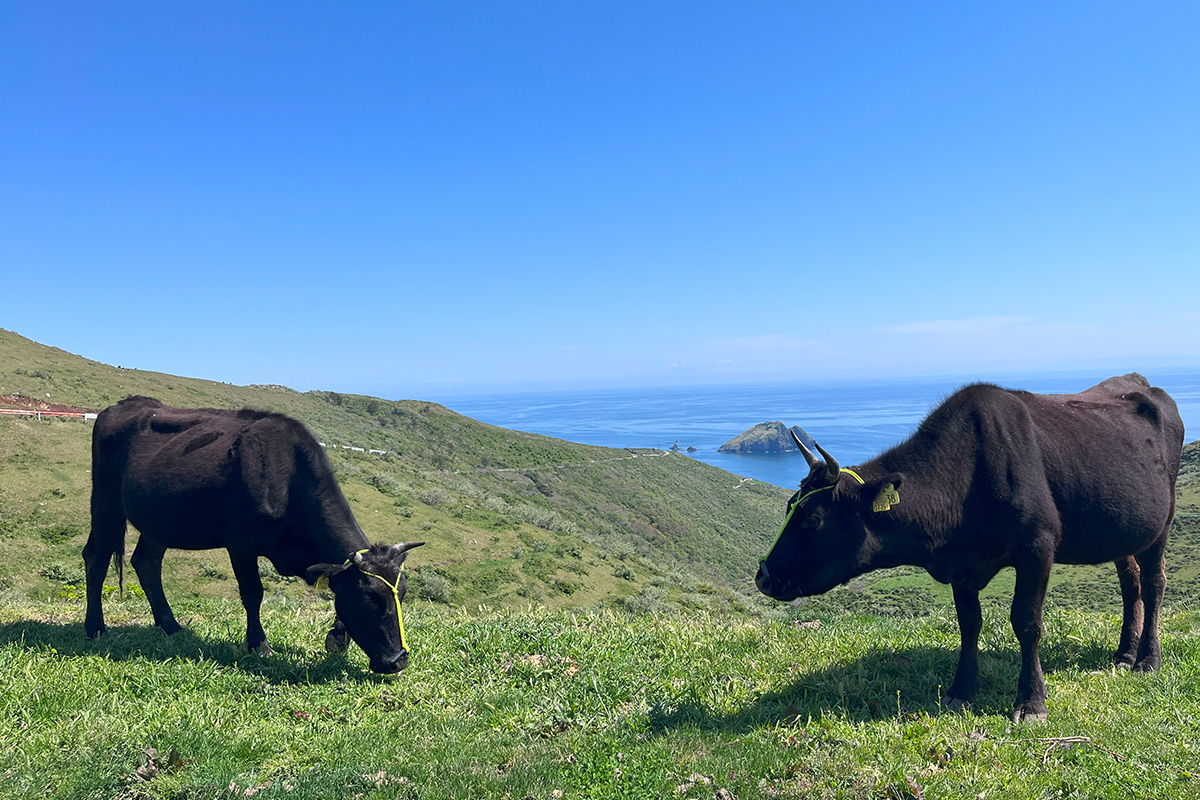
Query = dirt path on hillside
x=25 y=403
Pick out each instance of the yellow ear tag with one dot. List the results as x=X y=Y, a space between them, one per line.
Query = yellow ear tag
x=887 y=497
x=323 y=583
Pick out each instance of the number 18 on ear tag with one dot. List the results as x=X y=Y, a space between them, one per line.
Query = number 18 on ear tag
x=887 y=497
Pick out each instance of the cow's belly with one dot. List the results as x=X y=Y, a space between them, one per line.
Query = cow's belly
x=1099 y=537
x=191 y=517
x=187 y=526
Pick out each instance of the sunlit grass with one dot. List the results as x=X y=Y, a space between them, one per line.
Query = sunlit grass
x=529 y=703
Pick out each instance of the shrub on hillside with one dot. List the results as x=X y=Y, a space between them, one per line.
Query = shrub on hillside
x=59 y=534
x=648 y=601
x=566 y=586
x=212 y=571
x=429 y=585
x=543 y=518
x=386 y=484
x=433 y=496
x=623 y=550
x=267 y=571
x=531 y=591
x=62 y=573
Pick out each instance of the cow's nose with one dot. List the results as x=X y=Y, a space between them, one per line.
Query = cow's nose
x=763 y=579
x=390 y=664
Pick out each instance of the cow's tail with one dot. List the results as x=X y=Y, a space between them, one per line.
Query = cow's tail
x=118 y=558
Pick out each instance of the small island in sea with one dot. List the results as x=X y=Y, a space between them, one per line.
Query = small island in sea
x=765 y=438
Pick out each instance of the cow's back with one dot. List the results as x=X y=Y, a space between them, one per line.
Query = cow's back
x=176 y=471
x=1111 y=456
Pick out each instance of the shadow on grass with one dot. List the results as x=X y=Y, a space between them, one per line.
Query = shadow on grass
x=881 y=685
x=286 y=665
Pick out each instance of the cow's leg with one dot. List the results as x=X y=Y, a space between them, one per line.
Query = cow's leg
x=147 y=561
x=1033 y=574
x=338 y=638
x=245 y=567
x=1130 y=576
x=970 y=622
x=105 y=540
x=1154 y=583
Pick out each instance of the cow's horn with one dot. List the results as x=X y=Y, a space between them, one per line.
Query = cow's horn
x=358 y=558
x=804 y=451
x=831 y=465
x=404 y=547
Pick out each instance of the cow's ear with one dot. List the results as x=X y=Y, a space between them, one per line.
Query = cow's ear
x=882 y=494
x=318 y=571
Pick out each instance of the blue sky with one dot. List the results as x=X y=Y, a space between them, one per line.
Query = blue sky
x=419 y=199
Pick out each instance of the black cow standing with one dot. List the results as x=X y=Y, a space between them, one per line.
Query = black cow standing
x=996 y=478
x=254 y=483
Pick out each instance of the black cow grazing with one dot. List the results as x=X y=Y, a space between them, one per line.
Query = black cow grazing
x=996 y=478
x=254 y=483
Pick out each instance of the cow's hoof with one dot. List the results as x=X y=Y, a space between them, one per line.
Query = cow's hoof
x=955 y=703
x=336 y=642
x=263 y=649
x=170 y=628
x=1146 y=665
x=1029 y=714
x=1125 y=659
x=92 y=633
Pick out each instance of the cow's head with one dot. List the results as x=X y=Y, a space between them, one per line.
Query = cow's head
x=367 y=591
x=826 y=538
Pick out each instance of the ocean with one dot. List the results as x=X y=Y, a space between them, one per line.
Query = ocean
x=853 y=420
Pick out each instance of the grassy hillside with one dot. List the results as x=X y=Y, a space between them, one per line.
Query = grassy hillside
x=511 y=518
x=552 y=704
x=537 y=671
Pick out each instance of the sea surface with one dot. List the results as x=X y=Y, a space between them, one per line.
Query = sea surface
x=852 y=420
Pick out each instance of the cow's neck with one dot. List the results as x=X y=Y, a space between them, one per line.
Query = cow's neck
x=899 y=545
x=338 y=534
x=917 y=524
x=328 y=521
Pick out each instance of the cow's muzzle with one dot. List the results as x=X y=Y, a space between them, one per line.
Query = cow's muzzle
x=390 y=665
x=763 y=579
x=774 y=587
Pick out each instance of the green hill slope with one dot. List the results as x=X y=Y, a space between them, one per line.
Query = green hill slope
x=511 y=518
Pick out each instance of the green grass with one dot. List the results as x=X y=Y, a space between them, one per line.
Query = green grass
x=527 y=703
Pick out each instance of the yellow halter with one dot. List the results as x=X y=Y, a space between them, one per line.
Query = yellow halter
x=808 y=494
x=395 y=587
